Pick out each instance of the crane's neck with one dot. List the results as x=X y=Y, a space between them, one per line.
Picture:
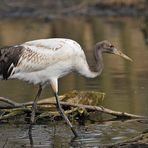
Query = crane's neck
x=98 y=61
x=98 y=66
x=84 y=68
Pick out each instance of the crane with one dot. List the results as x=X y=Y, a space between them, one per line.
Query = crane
x=43 y=61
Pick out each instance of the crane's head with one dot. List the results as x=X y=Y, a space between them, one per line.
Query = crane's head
x=107 y=47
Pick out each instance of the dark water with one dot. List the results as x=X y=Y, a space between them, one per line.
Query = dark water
x=124 y=83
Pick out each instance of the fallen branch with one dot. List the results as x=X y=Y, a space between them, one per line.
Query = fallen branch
x=47 y=102
x=100 y=109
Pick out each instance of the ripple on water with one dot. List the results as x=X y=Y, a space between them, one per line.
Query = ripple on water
x=58 y=134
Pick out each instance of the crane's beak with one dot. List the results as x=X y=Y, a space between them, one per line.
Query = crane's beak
x=118 y=52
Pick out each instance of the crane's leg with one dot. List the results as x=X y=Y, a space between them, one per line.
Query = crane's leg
x=55 y=89
x=34 y=105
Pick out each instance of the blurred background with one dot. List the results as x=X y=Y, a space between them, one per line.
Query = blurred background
x=54 y=8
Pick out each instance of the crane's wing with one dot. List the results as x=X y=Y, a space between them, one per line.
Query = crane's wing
x=33 y=56
x=39 y=54
x=16 y=59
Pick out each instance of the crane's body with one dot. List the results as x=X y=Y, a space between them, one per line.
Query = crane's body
x=43 y=61
x=40 y=61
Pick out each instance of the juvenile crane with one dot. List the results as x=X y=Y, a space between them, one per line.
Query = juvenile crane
x=44 y=61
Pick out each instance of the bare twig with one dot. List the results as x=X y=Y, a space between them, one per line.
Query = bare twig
x=10 y=102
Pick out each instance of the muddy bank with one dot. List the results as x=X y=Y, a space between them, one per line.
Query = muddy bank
x=53 y=9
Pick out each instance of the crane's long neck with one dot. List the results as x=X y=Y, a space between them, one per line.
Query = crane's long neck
x=87 y=72
x=99 y=61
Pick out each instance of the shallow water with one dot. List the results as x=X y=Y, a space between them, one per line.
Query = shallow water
x=124 y=83
x=60 y=136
